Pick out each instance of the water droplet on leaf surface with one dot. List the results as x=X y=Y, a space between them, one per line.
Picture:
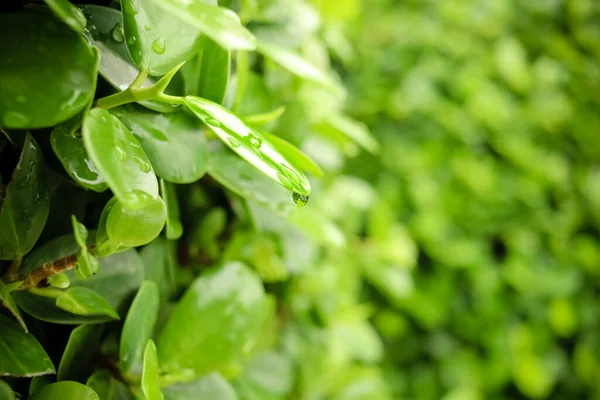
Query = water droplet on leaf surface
x=213 y=122
x=299 y=199
x=234 y=143
x=147 y=27
x=255 y=142
x=117 y=34
x=131 y=40
x=158 y=46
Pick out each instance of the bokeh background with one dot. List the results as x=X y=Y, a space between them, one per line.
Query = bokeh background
x=474 y=266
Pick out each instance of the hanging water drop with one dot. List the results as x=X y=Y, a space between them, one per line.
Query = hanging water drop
x=158 y=46
x=117 y=34
x=299 y=199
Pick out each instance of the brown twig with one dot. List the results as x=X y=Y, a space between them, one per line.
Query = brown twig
x=39 y=275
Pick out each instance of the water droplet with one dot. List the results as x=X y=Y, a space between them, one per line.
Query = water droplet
x=121 y=154
x=131 y=40
x=15 y=119
x=158 y=46
x=234 y=142
x=21 y=99
x=117 y=34
x=213 y=122
x=254 y=141
x=299 y=199
x=143 y=164
x=147 y=27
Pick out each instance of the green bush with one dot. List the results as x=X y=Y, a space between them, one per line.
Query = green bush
x=155 y=236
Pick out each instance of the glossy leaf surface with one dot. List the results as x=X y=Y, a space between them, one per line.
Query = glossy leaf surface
x=295 y=155
x=174 y=143
x=25 y=208
x=249 y=144
x=20 y=353
x=216 y=317
x=75 y=364
x=150 y=385
x=83 y=301
x=120 y=159
x=70 y=14
x=136 y=228
x=47 y=71
x=212 y=386
x=65 y=390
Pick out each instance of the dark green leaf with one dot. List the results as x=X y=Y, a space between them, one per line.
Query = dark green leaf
x=156 y=40
x=24 y=211
x=216 y=317
x=210 y=387
x=38 y=382
x=107 y=387
x=82 y=301
x=6 y=392
x=120 y=160
x=75 y=364
x=159 y=266
x=47 y=71
x=150 y=385
x=65 y=390
x=249 y=144
x=71 y=152
x=7 y=301
x=20 y=352
x=70 y=14
x=175 y=143
x=220 y=24
x=207 y=74
x=137 y=329
x=174 y=227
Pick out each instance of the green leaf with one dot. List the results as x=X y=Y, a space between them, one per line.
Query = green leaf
x=295 y=64
x=156 y=40
x=249 y=144
x=266 y=376
x=71 y=152
x=174 y=143
x=232 y=172
x=107 y=387
x=207 y=74
x=137 y=329
x=120 y=159
x=65 y=390
x=354 y=130
x=7 y=301
x=212 y=386
x=318 y=227
x=150 y=385
x=135 y=228
x=220 y=24
x=265 y=118
x=76 y=361
x=80 y=232
x=20 y=353
x=47 y=71
x=60 y=281
x=49 y=252
x=67 y=12
x=82 y=301
x=295 y=155
x=159 y=266
x=6 y=392
x=174 y=227
x=25 y=208
x=216 y=317
x=38 y=382
x=105 y=31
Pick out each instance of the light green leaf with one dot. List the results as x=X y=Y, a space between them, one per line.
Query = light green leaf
x=352 y=129
x=295 y=155
x=150 y=385
x=107 y=387
x=120 y=159
x=6 y=392
x=135 y=228
x=266 y=376
x=265 y=118
x=212 y=386
x=65 y=390
x=80 y=232
x=7 y=301
x=249 y=144
x=83 y=301
x=75 y=364
x=220 y=24
x=20 y=353
x=25 y=208
x=207 y=74
x=217 y=316
x=137 y=329
x=174 y=227
x=70 y=14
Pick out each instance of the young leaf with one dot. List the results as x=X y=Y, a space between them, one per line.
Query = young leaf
x=65 y=390
x=71 y=152
x=25 y=208
x=82 y=301
x=220 y=24
x=156 y=40
x=107 y=387
x=207 y=74
x=249 y=144
x=216 y=317
x=120 y=159
x=104 y=30
x=70 y=14
x=80 y=232
x=75 y=364
x=212 y=386
x=7 y=301
x=174 y=227
x=295 y=155
x=6 y=392
x=150 y=385
x=87 y=264
x=135 y=228
x=174 y=143
x=137 y=329
x=20 y=353
x=47 y=71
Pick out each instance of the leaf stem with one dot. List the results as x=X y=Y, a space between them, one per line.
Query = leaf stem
x=139 y=80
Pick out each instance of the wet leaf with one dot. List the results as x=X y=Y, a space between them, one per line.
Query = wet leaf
x=70 y=14
x=76 y=361
x=83 y=301
x=295 y=155
x=65 y=390
x=135 y=228
x=150 y=385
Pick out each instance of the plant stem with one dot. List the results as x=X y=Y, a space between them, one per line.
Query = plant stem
x=139 y=80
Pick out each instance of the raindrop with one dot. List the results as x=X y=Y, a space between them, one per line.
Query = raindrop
x=147 y=27
x=117 y=34
x=143 y=164
x=254 y=141
x=299 y=199
x=131 y=40
x=158 y=46
x=213 y=122
x=234 y=142
x=21 y=99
